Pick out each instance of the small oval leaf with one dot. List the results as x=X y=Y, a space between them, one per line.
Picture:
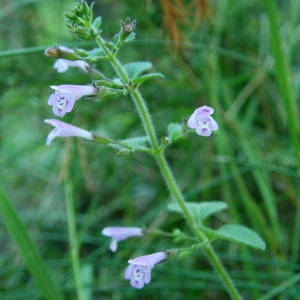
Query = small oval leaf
x=201 y=210
x=175 y=131
x=241 y=234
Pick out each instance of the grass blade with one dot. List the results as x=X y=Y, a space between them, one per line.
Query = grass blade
x=73 y=237
x=27 y=250
x=288 y=98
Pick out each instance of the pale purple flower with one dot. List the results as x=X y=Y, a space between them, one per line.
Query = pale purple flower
x=61 y=65
x=64 y=97
x=139 y=269
x=202 y=122
x=63 y=129
x=121 y=233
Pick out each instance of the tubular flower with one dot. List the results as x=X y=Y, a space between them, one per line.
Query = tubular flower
x=61 y=65
x=63 y=129
x=139 y=269
x=64 y=97
x=202 y=122
x=119 y=234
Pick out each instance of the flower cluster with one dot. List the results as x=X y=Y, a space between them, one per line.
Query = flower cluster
x=64 y=96
x=139 y=269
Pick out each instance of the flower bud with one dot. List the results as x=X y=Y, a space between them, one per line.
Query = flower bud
x=61 y=52
x=127 y=30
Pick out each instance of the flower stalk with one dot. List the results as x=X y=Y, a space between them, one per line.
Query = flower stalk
x=167 y=174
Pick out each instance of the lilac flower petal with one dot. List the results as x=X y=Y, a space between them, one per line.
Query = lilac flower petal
x=147 y=276
x=140 y=275
x=81 y=65
x=151 y=259
x=202 y=122
x=213 y=124
x=64 y=97
x=203 y=131
x=62 y=102
x=121 y=233
x=128 y=272
x=113 y=246
x=52 y=135
x=62 y=129
x=205 y=110
x=51 y=99
x=139 y=269
x=136 y=274
x=62 y=65
x=77 y=90
x=192 y=121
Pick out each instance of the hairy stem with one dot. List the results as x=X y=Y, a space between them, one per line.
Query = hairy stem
x=167 y=173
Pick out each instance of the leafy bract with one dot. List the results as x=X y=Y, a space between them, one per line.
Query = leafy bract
x=175 y=132
x=134 y=69
x=200 y=211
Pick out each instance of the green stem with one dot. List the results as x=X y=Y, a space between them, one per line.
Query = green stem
x=209 y=251
x=168 y=175
x=73 y=238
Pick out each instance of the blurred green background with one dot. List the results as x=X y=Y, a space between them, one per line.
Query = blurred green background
x=212 y=52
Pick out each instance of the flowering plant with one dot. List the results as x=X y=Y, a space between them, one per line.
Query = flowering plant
x=129 y=78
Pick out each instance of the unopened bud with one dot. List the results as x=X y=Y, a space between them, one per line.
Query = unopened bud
x=61 y=52
x=127 y=26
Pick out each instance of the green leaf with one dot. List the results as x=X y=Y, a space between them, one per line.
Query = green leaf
x=143 y=78
x=130 y=37
x=175 y=132
x=240 y=234
x=97 y=24
x=134 y=69
x=200 y=211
